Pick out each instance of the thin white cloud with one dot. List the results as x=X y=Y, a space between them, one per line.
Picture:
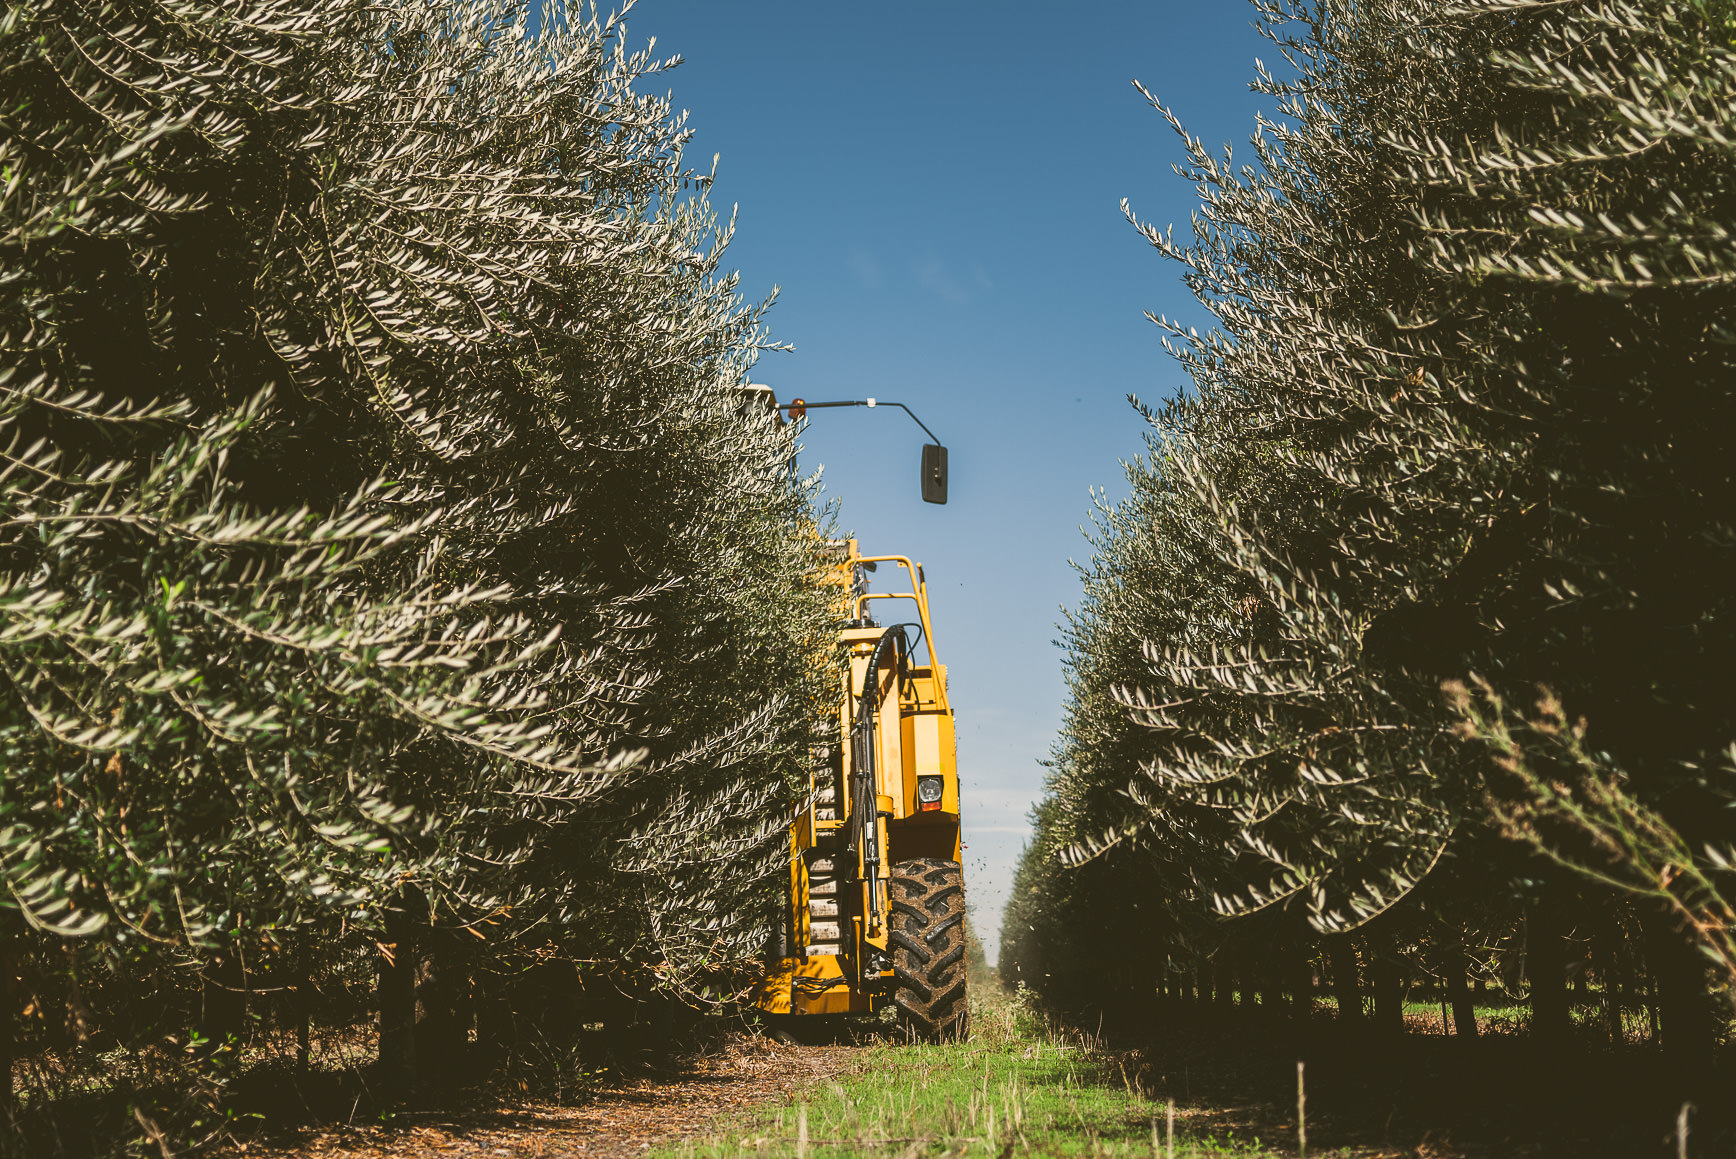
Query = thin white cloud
x=867 y=269
x=931 y=273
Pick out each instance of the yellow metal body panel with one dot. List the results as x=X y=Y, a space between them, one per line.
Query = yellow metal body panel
x=772 y=993
x=929 y=750
x=816 y=985
x=820 y=987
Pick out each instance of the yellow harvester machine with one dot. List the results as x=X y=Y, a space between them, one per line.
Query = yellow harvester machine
x=876 y=888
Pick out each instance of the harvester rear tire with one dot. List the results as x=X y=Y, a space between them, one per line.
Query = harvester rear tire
x=927 y=940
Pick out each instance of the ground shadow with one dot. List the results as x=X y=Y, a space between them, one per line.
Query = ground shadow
x=1233 y=1074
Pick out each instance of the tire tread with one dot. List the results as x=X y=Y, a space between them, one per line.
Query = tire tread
x=928 y=947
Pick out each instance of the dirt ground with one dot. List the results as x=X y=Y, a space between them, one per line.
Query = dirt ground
x=620 y=1122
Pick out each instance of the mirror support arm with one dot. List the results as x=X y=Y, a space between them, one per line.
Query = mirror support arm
x=864 y=402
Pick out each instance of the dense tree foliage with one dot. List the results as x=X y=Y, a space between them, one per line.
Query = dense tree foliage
x=389 y=553
x=1464 y=430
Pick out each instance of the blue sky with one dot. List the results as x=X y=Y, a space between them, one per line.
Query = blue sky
x=935 y=189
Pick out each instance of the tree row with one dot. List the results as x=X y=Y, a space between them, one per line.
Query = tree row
x=404 y=612
x=1409 y=638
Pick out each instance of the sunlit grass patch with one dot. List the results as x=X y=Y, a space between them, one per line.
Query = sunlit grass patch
x=1018 y=1086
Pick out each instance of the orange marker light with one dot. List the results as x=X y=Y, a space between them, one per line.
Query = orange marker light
x=798 y=408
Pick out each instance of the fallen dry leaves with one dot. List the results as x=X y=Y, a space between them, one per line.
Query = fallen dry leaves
x=618 y=1123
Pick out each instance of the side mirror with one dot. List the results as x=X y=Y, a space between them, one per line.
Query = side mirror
x=933 y=473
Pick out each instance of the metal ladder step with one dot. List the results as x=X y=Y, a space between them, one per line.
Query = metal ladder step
x=825 y=924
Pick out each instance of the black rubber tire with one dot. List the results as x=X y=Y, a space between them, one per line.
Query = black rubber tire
x=927 y=940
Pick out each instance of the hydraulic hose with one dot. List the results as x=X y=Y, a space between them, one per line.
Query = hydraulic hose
x=864 y=800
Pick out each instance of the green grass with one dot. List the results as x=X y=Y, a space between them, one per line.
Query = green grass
x=1023 y=1087
x=1018 y=1087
